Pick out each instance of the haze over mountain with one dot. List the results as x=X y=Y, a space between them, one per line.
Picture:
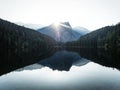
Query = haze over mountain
x=30 y=25
x=62 y=32
x=81 y=30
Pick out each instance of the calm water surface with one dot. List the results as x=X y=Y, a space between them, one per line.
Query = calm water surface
x=91 y=76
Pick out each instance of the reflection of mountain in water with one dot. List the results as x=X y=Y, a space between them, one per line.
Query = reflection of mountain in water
x=61 y=60
x=31 y=67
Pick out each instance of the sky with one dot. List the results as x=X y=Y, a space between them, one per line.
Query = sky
x=91 y=14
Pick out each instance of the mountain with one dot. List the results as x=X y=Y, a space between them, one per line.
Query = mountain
x=81 y=30
x=61 y=32
x=30 y=25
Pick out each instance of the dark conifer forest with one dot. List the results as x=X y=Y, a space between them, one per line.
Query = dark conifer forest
x=107 y=37
x=20 y=46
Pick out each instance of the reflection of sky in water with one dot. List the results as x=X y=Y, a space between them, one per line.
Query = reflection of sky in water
x=88 y=77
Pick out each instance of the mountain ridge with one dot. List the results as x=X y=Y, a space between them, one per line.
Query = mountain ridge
x=61 y=32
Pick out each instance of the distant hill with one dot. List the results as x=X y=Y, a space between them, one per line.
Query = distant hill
x=62 y=32
x=81 y=30
x=30 y=25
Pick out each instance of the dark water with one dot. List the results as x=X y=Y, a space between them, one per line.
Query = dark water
x=78 y=74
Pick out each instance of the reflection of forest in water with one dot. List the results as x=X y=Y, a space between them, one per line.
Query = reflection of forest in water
x=62 y=59
x=82 y=74
x=100 y=56
x=75 y=72
x=65 y=59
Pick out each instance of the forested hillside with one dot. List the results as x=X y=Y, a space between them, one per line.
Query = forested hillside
x=107 y=38
x=20 y=46
x=101 y=46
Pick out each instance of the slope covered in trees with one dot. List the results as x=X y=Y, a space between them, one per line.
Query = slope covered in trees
x=21 y=46
x=104 y=41
x=107 y=38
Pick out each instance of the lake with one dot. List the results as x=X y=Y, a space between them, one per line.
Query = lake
x=80 y=76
